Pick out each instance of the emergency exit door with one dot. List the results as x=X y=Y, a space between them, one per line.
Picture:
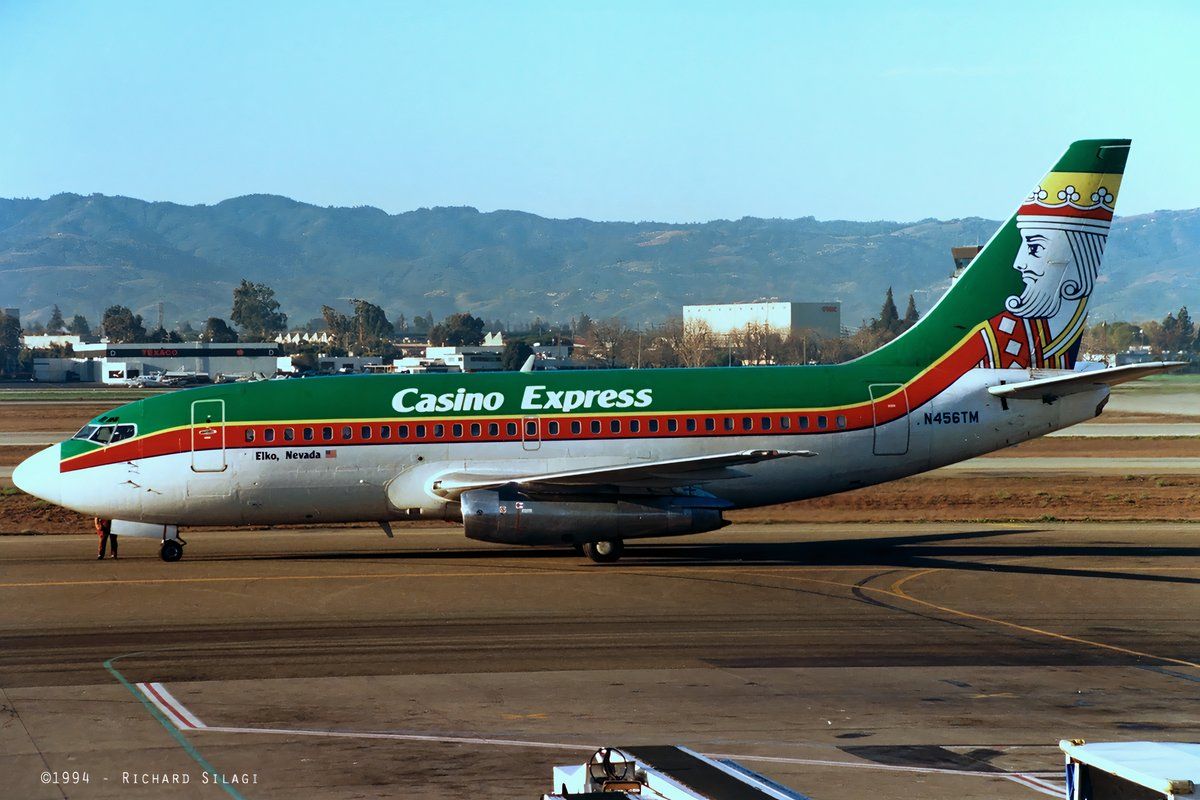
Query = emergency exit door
x=889 y=406
x=208 y=436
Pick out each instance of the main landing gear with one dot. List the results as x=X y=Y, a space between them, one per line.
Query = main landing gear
x=172 y=549
x=605 y=551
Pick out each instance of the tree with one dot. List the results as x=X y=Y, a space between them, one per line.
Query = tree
x=583 y=326
x=694 y=343
x=1187 y=330
x=339 y=327
x=157 y=335
x=457 y=330
x=401 y=326
x=910 y=314
x=56 y=323
x=516 y=353
x=256 y=311
x=10 y=342
x=186 y=332
x=121 y=325
x=889 y=319
x=79 y=326
x=371 y=330
x=217 y=331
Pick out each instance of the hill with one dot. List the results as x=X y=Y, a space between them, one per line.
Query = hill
x=85 y=253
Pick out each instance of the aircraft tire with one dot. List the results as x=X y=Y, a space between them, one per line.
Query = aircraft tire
x=171 y=551
x=605 y=551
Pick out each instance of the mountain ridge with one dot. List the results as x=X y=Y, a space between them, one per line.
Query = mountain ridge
x=85 y=252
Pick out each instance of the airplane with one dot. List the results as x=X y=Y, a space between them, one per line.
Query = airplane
x=591 y=459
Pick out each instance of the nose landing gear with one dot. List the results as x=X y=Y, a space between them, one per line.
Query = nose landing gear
x=172 y=549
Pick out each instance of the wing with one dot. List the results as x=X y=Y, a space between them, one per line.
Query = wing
x=644 y=474
x=1051 y=388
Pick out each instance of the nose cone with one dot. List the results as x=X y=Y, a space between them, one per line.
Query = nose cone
x=38 y=475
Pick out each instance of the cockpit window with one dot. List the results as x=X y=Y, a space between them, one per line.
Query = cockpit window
x=85 y=432
x=102 y=434
x=123 y=432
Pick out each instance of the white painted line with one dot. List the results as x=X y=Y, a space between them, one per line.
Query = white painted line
x=174 y=710
x=1037 y=784
x=416 y=737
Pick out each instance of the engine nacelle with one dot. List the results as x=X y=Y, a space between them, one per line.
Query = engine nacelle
x=509 y=516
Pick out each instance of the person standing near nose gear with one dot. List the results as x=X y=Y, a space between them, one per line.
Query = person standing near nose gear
x=104 y=531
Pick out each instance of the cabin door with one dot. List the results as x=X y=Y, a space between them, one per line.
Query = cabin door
x=531 y=433
x=889 y=405
x=208 y=436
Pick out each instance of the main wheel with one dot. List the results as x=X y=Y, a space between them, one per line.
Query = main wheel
x=605 y=551
x=171 y=550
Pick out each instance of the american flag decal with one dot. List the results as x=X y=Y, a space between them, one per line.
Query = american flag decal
x=331 y=453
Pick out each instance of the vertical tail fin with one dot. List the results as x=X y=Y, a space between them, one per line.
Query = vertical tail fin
x=1022 y=302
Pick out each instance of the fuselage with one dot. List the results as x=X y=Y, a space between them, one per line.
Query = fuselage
x=372 y=448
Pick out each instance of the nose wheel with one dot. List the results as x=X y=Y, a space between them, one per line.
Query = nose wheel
x=605 y=551
x=172 y=550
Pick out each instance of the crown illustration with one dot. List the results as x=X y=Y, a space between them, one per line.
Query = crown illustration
x=1071 y=201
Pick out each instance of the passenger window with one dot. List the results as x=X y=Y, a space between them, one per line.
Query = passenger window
x=747 y=423
x=531 y=428
x=327 y=433
x=841 y=421
x=652 y=425
x=493 y=429
x=672 y=424
x=614 y=425
x=289 y=434
x=308 y=434
x=766 y=423
x=385 y=432
x=553 y=428
x=822 y=422
x=511 y=427
x=635 y=425
x=729 y=423
x=691 y=423
x=347 y=432
x=803 y=423
x=366 y=431
x=402 y=432
x=457 y=430
x=420 y=431
x=785 y=423
x=439 y=430
x=249 y=434
x=269 y=435
x=476 y=430
x=710 y=424
x=576 y=426
x=595 y=426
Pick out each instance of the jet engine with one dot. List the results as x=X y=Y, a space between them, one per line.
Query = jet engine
x=511 y=516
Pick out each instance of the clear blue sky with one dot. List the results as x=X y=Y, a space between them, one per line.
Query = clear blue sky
x=642 y=110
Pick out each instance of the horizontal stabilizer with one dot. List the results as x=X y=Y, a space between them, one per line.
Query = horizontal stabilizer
x=666 y=473
x=1055 y=386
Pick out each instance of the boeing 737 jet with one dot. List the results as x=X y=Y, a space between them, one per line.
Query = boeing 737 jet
x=590 y=459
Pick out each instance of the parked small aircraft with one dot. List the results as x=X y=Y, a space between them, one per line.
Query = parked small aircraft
x=593 y=458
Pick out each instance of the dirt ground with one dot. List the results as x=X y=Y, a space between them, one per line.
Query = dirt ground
x=23 y=417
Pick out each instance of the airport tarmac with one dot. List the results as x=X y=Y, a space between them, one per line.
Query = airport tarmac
x=896 y=661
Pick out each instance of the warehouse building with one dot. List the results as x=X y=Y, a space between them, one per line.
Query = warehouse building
x=106 y=362
x=788 y=319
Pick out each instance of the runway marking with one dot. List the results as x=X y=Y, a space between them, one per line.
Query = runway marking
x=176 y=711
x=175 y=732
x=585 y=571
x=898 y=592
x=1037 y=784
x=1026 y=779
x=233 y=579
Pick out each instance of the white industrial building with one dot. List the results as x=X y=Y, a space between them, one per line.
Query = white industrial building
x=107 y=362
x=785 y=318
